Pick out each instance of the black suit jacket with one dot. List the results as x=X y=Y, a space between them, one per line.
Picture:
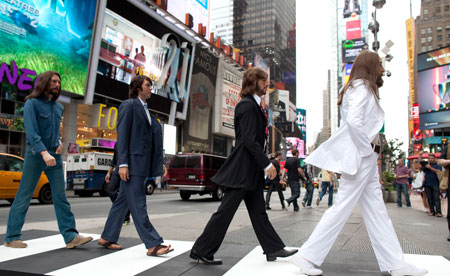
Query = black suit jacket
x=138 y=144
x=244 y=167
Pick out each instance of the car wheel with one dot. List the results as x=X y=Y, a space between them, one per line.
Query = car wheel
x=104 y=191
x=45 y=195
x=218 y=193
x=185 y=195
x=85 y=193
x=149 y=188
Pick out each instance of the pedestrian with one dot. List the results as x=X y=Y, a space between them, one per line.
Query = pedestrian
x=418 y=177
x=139 y=155
x=353 y=151
x=432 y=189
x=242 y=176
x=444 y=161
x=275 y=183
x=42 y=118
x=327 y=183
x=309 y=186
x=113 y=179
x=294 y=172
x=401 y=183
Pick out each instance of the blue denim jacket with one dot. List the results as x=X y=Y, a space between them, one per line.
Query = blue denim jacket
x=42 y=119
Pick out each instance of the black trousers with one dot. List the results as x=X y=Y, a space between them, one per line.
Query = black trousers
x=434 y=198
x=275 y=186
x=214 y=233
x=113 y=191
x=448 y=208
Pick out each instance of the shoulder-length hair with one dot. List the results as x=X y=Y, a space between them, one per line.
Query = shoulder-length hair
x=250 y=81
x=42 y=85
x=136 y=83
x=365 y=68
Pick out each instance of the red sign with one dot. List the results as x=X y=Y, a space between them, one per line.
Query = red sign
x=353 y=29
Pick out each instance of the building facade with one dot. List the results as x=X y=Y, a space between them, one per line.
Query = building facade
x=222 y=20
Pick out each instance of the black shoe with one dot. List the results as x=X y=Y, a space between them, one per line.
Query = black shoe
x=296 y=209
x=448 y=238
x=204 y=260
x=282 y=253
x=268 y=207
x=288 y=202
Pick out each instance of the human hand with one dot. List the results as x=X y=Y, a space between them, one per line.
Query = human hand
x=428 y=166
x=164 y=170
x=49 y=160
x=107 y=177
x=272 y=172
x=59 y=149
x=124 y=173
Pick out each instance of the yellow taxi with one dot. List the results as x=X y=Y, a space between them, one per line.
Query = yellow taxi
x=11 y=167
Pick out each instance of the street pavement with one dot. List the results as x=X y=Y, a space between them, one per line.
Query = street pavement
x=423 y=239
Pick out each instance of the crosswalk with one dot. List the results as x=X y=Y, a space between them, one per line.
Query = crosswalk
x=46 y=255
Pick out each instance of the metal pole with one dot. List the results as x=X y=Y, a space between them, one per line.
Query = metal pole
x=376 y=32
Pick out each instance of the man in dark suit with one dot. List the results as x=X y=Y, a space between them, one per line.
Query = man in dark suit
x=139 y=148
x=242 y=175
x=275 y=183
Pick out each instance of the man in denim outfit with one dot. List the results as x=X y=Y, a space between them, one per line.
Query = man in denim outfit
x=42 y=118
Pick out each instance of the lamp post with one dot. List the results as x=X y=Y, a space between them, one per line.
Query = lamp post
x=375 y=26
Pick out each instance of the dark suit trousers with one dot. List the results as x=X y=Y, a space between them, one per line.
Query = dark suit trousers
x=113 y=191
x=279 y=188
x=211 y=239
x=132 y=196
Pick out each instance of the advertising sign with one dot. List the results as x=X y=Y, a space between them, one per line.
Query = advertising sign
x=197 y=130
x=433 y=91
x=348 y=70
x=353 y=29
x=280 y=101
x=296 y=143
x=351 y=48
x=37 y=36
x=433 y=59
x=170 y=139
x=351 y=7
x=301 y=122
x=198 y=9
x=229 y=83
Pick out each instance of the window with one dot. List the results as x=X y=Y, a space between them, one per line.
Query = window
x=193 y=162
x=424 y=49
x=438 y=9
x=217 y=163
x=430 y=48
x=447 y=8
x=206 y=162
x=423 y=40
x=422 y=31
x=179 y=162
x=439 y=37
x=425 y=11
x=430 y=30
x=448 y=36
x=439 y=29
x=14 y=164
x=447 y=28
x=430 y=39
x=2 y=163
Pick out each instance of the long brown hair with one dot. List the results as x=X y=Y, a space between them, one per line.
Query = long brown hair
x=136 y=83
x=250 y=80
x=365 y=68
x=43 y=84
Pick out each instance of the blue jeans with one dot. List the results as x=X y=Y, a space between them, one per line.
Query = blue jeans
x=325 y=185
x=32 y=170
x=402 y=188
x=309 y=193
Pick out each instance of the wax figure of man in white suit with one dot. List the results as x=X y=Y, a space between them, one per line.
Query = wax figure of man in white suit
x=353 y=151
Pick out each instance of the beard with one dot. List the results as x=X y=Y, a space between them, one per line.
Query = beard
x=380 y=81
x=259 y=91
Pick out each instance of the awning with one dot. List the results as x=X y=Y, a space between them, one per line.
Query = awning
x=424 y=155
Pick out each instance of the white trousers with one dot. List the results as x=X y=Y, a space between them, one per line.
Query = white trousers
x=363 y=188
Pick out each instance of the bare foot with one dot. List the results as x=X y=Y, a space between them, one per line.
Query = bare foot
x=159 y=250
x=109 y=245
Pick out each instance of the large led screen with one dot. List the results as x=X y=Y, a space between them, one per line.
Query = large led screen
x=433 y=59
x=44 y=35
x=433 y=88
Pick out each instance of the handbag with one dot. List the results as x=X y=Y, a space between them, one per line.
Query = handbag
x=443 y=177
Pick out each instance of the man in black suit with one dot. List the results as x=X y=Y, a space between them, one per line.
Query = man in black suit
x=275 y=183
x=242 y=175
x=139 y=148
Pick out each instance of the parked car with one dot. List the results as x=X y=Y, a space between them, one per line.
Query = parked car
x=191 y=174
x=11 y=167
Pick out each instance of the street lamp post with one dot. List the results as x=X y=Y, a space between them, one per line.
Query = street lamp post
x=375 y=26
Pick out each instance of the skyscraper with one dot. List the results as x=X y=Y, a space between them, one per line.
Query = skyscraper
x=222 y=20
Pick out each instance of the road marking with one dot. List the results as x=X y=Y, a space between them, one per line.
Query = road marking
x=436 y=265
x=36 y=246
x=130 y=261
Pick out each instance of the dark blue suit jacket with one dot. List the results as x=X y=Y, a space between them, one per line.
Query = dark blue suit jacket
x=138 y=144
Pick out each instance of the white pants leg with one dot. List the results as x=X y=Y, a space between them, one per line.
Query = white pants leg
x=379 y=226
x=351 y=189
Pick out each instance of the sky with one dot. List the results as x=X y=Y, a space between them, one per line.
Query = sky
x=314 y=55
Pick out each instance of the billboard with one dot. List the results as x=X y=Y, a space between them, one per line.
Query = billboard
x=197 y=128
x=348 y=70
x=198 y=9
x=228 y=87
x=301 y=122
x=351 y=7
x=433 y=90
x=279 y=102
x=296 y=143
x=433 y=59
x=38 y=36
x=353 y=29
x=351 y=48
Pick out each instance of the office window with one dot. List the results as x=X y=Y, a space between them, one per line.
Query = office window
x=439 y=29
x=423 y=40
x=423 y=31
x=439 y=37
x=430 y=39
x=425 y=11
x=424 y=49
x=438 y=9
x=430 y=30
x=430 y=48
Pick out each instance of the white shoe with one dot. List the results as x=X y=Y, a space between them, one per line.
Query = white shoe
x=409 y=270
x=305 y=266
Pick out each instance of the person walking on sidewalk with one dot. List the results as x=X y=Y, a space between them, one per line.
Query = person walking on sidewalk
x=353 y=151
x=401 y=183
x=444 y=161
x=42 y=117
x=275 y=183
x=140 y=155
x=327 y=183
x=432 y=189
x=113 y=179
x=242 y=175
x=309 y=186
x=294 y=172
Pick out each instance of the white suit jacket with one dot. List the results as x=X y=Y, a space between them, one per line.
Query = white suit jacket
x=361 y=120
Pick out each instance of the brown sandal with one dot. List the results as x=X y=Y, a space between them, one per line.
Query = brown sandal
x=108 y=245
x=157 y=248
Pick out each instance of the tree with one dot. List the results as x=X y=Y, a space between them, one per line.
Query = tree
x=391 y=153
